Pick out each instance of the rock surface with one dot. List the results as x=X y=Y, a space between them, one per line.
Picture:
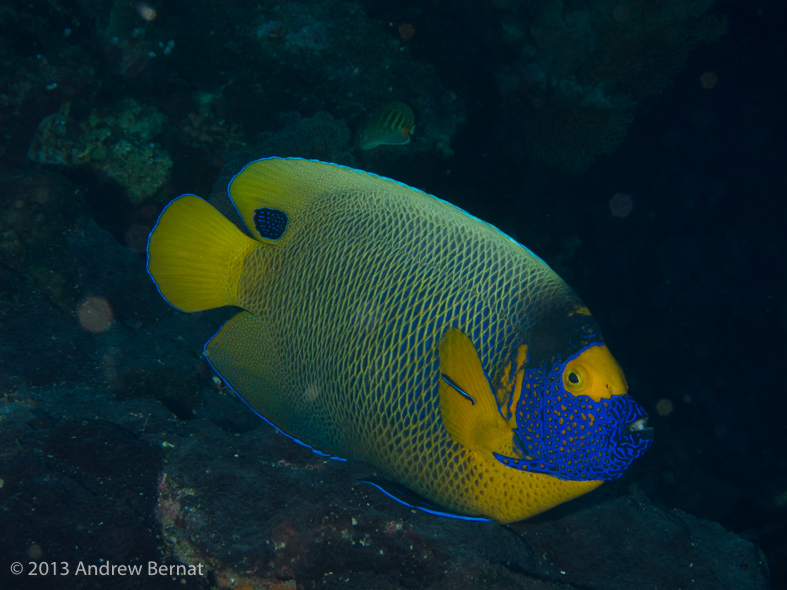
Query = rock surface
x=188 y=475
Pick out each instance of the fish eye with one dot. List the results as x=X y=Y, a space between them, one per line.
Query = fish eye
x=576 y=378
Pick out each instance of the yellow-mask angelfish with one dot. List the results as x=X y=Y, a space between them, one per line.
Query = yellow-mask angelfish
x=382 y=324
x=391 y=125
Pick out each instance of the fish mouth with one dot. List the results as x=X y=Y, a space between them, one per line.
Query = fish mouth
x=639 y=429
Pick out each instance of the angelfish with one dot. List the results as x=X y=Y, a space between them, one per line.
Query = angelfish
x=383 y=324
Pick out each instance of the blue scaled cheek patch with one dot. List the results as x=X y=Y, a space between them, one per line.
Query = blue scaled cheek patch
x=573 y=437
x=270 y=223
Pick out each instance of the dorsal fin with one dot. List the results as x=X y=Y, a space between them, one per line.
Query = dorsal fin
x=271 y=194
x=288 y=185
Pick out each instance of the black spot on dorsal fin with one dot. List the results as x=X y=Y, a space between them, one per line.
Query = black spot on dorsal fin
x=270 y=223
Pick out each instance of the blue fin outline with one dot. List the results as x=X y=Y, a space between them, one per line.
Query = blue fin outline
x=423 y=507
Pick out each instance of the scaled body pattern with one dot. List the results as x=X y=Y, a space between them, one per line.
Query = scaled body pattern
x=382 y=324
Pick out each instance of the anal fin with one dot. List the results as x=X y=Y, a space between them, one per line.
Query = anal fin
x=244 y=353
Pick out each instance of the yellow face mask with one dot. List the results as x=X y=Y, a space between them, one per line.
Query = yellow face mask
x=594 y=373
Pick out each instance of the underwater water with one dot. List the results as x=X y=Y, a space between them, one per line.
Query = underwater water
x=636 y=147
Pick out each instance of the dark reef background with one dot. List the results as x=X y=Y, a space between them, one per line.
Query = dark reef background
x=636 y=145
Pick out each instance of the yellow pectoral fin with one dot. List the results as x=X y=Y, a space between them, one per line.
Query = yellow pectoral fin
x=467 y=402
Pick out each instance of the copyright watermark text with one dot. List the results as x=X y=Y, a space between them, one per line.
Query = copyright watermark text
x=104 y=569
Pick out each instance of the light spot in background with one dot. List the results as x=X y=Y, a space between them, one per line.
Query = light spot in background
x=42 y=195
x=664 y=407
x=312 y=392
x=708 y=80
x=406 y=31
x=146 y=11
x=95 y=314
x=366 y=317
x=621 y=204
x=35 y=551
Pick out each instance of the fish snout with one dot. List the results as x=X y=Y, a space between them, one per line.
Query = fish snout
x=639 y=429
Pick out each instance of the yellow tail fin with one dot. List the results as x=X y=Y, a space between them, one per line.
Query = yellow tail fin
x=195 y=255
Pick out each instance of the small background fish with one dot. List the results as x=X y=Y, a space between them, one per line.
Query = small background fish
x=391 y=125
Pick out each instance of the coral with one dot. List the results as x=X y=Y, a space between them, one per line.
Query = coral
x=115 y=141
x=569 y=134
x=329 y=57
x=565 y=36
x=206 y=130
x=588 y=64
x=319 y=137
x=305 y=31
x=641 y=45
x=128 y=50
x=141 y=168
